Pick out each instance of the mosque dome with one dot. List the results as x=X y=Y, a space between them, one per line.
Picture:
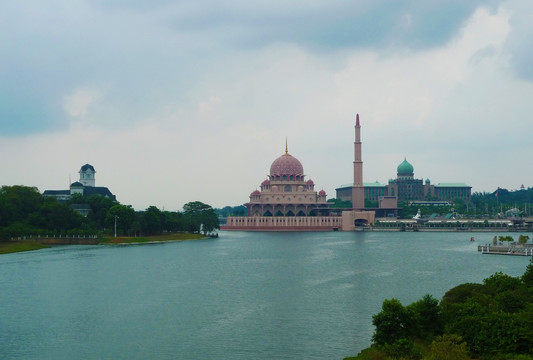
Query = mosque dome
x=286 y=164
x=310 y=182
x=405 y=168
x=266 y=182
x=256 y=192
x=322 y=192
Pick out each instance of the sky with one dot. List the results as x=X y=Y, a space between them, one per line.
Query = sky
x=179 y=101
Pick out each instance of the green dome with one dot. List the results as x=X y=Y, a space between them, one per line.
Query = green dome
x=405 y=168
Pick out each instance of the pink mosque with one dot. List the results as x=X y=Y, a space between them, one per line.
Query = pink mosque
x=289 y=202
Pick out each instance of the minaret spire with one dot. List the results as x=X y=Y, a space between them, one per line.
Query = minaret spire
x=286 y=147
x=358 y=192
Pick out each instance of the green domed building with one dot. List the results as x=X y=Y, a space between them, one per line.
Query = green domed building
x=406 y=188
x=405 y=169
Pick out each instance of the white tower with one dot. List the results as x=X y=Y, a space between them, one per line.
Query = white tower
x=87 y=175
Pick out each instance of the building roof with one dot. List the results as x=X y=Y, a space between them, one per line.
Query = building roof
x=405 y=168
x=452 y=185
x=98 y=190
x=76 y=184
x=286 y=164
x=367 y=184
x=56 y=192
x=87 y=167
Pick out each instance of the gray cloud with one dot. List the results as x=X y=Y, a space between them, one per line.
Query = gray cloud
x=144 y=56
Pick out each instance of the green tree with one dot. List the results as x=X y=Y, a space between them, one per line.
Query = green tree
x=522 y=239
x=427 y=317
x=200 y=216
x=125 y=216
x=447 y=347
x=393 y=322
x=53 y=215
x=152 y=220
x=527 y=277
x=17 y=203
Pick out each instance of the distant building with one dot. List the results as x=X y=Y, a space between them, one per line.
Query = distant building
x=287 y=201
x=85 y=186
x=287 y=193
x=407 y=188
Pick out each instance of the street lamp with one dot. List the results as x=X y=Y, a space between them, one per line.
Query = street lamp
x=116 y=217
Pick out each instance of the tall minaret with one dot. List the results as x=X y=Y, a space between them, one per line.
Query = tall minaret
x=358 y=191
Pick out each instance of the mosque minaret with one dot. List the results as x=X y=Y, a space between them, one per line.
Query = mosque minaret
x=289 y=202
x=358 y=193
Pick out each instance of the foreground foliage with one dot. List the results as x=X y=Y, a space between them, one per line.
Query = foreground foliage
x=488 y=321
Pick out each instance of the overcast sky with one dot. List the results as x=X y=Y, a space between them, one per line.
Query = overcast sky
x=177 y=101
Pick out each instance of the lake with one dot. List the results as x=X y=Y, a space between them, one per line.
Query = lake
x=242 y=296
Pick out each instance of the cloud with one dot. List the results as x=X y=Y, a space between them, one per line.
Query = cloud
x=148 y=56
x=77 y=104
x=520 y=38
x=176 y=102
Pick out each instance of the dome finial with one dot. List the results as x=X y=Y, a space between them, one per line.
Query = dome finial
x=286 y=147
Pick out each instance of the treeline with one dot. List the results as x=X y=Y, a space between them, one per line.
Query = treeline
x=488 y=321
x=25 y=211
x=226 y=211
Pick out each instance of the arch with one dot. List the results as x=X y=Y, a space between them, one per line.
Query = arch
x=360 y=222
x=289 y=213
x=267 y=213
x=278 y=213
x=300 y=213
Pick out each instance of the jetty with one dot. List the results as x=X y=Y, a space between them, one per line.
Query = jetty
x=511 y=249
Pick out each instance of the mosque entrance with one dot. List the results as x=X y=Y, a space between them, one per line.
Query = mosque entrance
x=360 y=222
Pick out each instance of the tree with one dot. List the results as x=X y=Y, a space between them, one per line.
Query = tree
x=448 y=347
x=125 y=217
x=393 y=322
x=527 y=277
x=427 y=317
x=200 y=216
x=17 y=202
x=152 y=220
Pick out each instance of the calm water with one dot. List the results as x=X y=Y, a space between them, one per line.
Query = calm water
x=242 y=296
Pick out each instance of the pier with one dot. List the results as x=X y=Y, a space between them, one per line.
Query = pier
x=512 y=249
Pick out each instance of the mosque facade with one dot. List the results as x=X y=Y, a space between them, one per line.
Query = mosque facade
x=287 y=201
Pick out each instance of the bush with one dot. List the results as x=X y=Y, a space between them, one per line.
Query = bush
x=447 y=347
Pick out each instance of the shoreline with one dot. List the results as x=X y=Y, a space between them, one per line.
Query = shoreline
x=31 y=244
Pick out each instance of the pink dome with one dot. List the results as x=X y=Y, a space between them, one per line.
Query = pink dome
x=266 y=182
x=310 y=182
x=322 y=192
x=256 y=192
x=286 y=165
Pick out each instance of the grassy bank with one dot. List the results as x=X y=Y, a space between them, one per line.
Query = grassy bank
x=12 y=247
x=147 y=239
x=33 y=244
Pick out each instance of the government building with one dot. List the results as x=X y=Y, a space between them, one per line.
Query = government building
x=407 y=188
x=287 y=201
